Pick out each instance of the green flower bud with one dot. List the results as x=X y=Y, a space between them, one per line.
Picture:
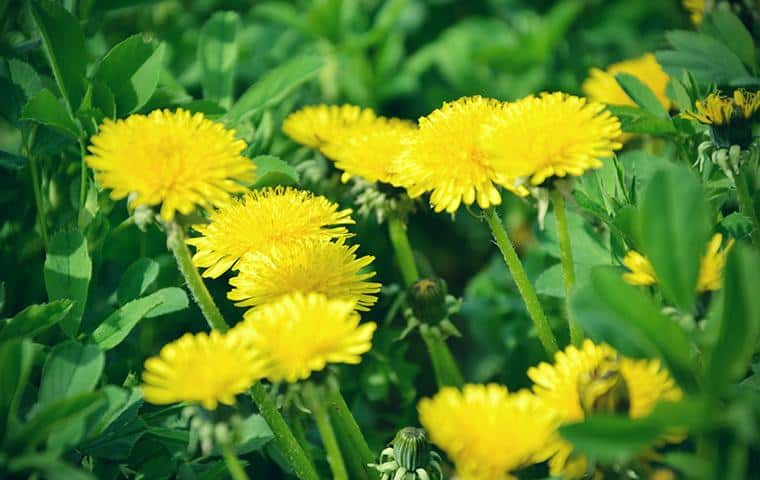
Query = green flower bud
x=411 y=448
x=427 y=298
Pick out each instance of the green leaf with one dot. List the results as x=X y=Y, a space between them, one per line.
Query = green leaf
x=138 y=278
x=739 y=328
x=271 y=170
x=34 y=319
x=131 y=70
x=11 y=161
x=642 y=95
x=737 y=225
x=217 y=54
x=46 y=109
x=16 y=358
x=53 y=416
x=23 y=75
x=622 y=315
x=65 y=48
x=71 y=368
x=48 y=464
x=117 y=326
x=724 y=26
x=707 y=59
x=674 y=228
x=636 y=120
x=121 y=434
x=68 y=269
x=103 y=99
x=273 y=87
x=253 y=433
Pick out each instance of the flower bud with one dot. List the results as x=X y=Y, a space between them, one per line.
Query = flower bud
x=411 y=448
x=603 y=389
x=427 y=298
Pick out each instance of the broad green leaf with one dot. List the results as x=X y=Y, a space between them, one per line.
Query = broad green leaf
x=724 y=26
x=271 y=170
x=739 y=327
x=103 y=99
x=131 y=70
x=217 y=54
x=622 y=315
x=138 y=278
x=117 y=326
x=707 y=59
x=641 y=95
x=49 y=465
x=46 y=109
x=68 y=269
x=16 y=358
x=65 y=48
x=636 y=120
x=34 y=319
x=273 y=87
x=674 y=228
x=71 y=368
x=53 y=416
x=23 y=75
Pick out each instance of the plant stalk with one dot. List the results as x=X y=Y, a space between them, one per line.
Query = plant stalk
x=41 y=218
x=445 y=368
x=746 y=204
x=527 y=291
x=83 y=176
x=315 y=400
x=404 y=254
x=566 y=257
x=233 y=464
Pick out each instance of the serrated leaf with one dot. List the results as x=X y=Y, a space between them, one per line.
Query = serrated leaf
x=641 y=95
x=137 y=279
x=71 y=368
x=271 y=170
x=65 y=48
x=46 y=109
x=23 y=75
x=131 y=70
x=34 y=319
x=217 y=55
x=68 y=269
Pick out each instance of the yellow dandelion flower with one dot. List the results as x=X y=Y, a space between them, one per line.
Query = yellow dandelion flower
x=641 y=271
x=596 y=379
x=487 y=431
x=713 y=110
x=711 y=265
x=554 y=134
x=310 y=265
x=261 y=220
x=301 y=333
x=368 y=149
x=318 y=125
x=602 y=87
x=205 y=368
x=176 y=159
x=748 y=103
x=696 y=9
x=446 y=156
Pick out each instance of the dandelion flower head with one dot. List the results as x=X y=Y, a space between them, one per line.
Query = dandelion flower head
x=696 y=9
x=261 y=220
x=299 y=334
x=205 y=368
x=319 y=125
x=177 y=159
x=602 y=87
x=308 y=265
x=487 y=431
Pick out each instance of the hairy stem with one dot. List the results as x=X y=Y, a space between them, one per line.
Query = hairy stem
x=404 y=254
x=445 y=367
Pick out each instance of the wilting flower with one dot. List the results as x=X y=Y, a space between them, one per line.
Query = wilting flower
x=205 y=368
x=602 y=87
x=309 y=265
x=696 y=8
x=301 y=333
x=318 y=125
x=710 y=267
x=261 y=220
x=446 y=156
x=596 y=379
x=368 y=149
x=176 y=159
x=487 y=431
x=729 y=119
x=554 y=134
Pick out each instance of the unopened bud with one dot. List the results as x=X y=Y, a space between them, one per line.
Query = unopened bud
x=427 y=298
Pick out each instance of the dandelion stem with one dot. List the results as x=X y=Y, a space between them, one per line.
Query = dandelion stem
x=83 y=176
x=41 y=220
x=349 y=428
x=404 y=254
x=315 y=400
x=176 y=241
x=233 y=464
x=288 y=444
x=566 y=257
x=445 y=368
x=527 y=291
x=746 y=203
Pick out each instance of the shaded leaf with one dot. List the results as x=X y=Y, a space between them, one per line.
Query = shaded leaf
x=34 y=319
x=46 y=109
x=217 y=54
x=68 y=269
x=16 y=358
x=137 y=279
x=71 y=368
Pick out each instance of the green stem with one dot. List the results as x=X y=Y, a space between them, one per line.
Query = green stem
x=176 y=241
x=566 y=257
x=41 y=218
x=283 y=436
x=404 y=254
x=445 y=367
x=233 y=464
x=83 y=176
x=349 y=428
x=315 y=401
x=527 y=291
x=746 y=203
